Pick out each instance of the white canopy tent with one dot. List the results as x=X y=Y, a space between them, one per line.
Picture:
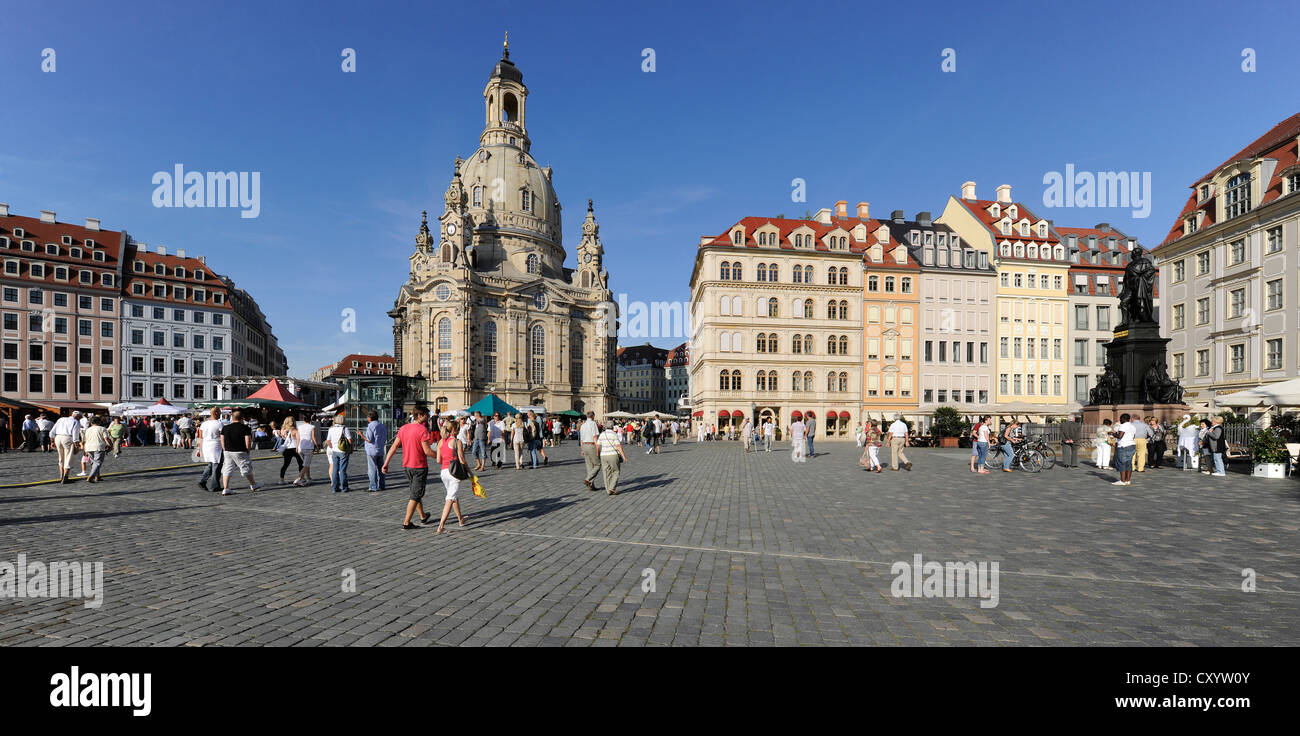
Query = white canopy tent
x=118 y=410
x=1282 y=393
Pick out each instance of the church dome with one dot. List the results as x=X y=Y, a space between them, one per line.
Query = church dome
x=506 y=69
x=506 y=189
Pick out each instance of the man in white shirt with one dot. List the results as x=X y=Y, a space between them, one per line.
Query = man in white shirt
x=897 y=441
x=588 y=432
x=66 y=434
x=769 y=430
x=747 y=433
x=210 y=449
x=43 y=427
x=798 y=441
x=1125 y=449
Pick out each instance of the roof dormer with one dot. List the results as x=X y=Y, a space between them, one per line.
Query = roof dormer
x=995 y=210
x=738 y=235
x=1012 y=211
x=860 y=233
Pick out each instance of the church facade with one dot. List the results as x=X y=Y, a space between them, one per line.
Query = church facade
x=489 y=306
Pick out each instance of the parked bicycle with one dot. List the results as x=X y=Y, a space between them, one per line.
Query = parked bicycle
x=1026 y=458
x=1045 y=449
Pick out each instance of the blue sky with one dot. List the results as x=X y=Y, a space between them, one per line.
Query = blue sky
x=745 y=97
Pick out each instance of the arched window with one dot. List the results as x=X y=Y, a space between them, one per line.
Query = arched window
x=797 y=311
x=761 y=384
x=907 y=284
x=537 y=353
x=808 y=381
x=444 y=334
x=762 y=342
x=844 y=309
x=738 y=237
x=808 y=309
x=490 y=337
x=830 y=381
x=762 y=272
x=724 y=342
x=844 y=381
x=533 y=263
x=773 y=310
x=773 y=344
x=736 y=272
x=796 y=381
x=832 y=345
x=873 y=283
x=724 y=306
x=478 y=196
x=844 y=277
x=725 y=271
x=736 y=344
x=446 y=253
x=830 y=309
x=737 y=306
x=844 y=345
x=797 y=276
x=830 y=276
x=808 y=344
x=735 y=381
x=724 y=380
x=772 y=273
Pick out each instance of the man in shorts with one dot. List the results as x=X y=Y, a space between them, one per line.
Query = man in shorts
x=413 y=437
x=236 y=450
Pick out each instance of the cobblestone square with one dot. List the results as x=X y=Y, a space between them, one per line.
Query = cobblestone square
x=744 y=549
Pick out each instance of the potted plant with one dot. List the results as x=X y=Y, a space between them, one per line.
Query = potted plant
x=948 y=426
x=1268 y=453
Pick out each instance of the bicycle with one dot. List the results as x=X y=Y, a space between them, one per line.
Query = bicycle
x=1025 y=457
x=1045 y=449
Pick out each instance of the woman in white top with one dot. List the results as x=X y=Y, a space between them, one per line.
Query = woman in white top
x=338 y=459
x=798 y=441
x=306 y=445
x=289 y=447
x=611 y=458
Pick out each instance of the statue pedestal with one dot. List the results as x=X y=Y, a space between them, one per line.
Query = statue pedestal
x=1133 y=352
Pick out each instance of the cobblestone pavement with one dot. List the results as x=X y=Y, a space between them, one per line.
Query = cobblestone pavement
x=745 y=549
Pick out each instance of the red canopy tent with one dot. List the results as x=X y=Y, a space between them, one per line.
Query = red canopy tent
x=273 y=393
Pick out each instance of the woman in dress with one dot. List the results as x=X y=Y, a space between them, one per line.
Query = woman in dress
x=450 y=449
x=288 y=433
x=1102 y=442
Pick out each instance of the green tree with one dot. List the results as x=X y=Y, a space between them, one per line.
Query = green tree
x=948 y=422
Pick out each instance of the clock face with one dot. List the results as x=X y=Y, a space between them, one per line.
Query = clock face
x=451 y=228
x=586 y=258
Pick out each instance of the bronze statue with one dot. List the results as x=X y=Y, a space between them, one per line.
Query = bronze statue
x=1108 y=388
x=1137 y=294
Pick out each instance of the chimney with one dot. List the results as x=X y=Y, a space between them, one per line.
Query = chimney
x=863 y=210
x=1004 y=194
x=968 y=190
x=897 y=216
x=180 y=252
x=92 y=223
x=823 y=216
x=203 y=260
x=923 y=219
x=47 y=215
x=162 y=250
x=841 y=208
x=1104 y=227
x=4 y=209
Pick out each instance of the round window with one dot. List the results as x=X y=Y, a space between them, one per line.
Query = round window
x=443 y=292
x=540 y=301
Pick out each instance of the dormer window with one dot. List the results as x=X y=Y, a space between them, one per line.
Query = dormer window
x=159 y=269
x=1205 y=192
x=28 y=245
x=19 y=232
x=51 y=249
x=1020 y=250
x=995 y=210
x=1033 y=251
x=200 y=275
x=1024 y=229
x=1004 y=250
x=1012 y=212
x=929 y=237
x=90 y=243
x=737 y=237
x=99 y=255
x=1059 y=252
x=139 y=267
x=915 y=237
x=67 y=240
x=1042 y=229
x=928 y=256
x=75 y=252
x=180 y=272
x=1005 y=227
x=1236 y=196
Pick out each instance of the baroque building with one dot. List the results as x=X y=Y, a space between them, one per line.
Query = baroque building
x=489 y=306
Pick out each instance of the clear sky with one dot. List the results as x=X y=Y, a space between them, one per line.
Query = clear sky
x=744 y=98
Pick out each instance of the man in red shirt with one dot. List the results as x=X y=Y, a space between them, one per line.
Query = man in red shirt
x=413 y=438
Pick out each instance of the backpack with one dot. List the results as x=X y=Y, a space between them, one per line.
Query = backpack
x=344 y=445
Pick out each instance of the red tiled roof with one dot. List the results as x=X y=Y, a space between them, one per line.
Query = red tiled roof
x=211 y=282
x=680 y=355
x=786 y=228
x=980 y=208
x=43 y=233
x=345 y=368
x=1278 y=143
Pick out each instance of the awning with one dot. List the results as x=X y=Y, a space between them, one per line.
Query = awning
x=796 y=414
x=737 y=413
x=273 y=394
x=723 y=414
x=493 y=404
x=699 y=414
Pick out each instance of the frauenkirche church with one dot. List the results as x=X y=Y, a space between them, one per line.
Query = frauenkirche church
x=490 y=306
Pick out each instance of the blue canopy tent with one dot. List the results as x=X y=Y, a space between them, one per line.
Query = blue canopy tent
x=492 y=404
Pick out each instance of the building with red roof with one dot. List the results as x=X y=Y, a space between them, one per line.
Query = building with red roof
x=1228 y=271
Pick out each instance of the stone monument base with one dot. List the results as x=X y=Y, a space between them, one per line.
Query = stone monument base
x=1162 y=412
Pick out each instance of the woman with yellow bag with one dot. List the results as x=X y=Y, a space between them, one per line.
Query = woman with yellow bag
x=451 y=454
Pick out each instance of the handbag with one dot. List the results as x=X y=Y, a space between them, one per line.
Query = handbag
x=457 y=468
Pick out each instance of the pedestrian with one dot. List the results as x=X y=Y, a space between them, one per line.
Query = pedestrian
x=159 y=432
x=339 y=443
x=810 y=425
x=1218 y=443
x=1101 y=441
x=658 y=435
x=43 y=426
x=747 y=433
x=872 y=439
x=116 y=432
x=675 y=428
x=186 y=426
x=587 y=434
x=95 y=442
x=898 y=435
x=517 y=440
x=31 y=433
x=1010 y=437
x=1187 y=440
x=289 y=447
x=1125 y=449
x=67 y=437
x=1156 y=443
x=496 y=440
x=4 y=432
x=413 y=440
x=1071 y=434
x=476 y=428
x=210 y=450
x=699 y=432
x=612 y=458
x=1206 y=464
x=306 y=446
x=1141 y=439
x=769 y=430
x=236 y=451
x=983 y=433
x=798 y=441
x=376 y=439
x=533 y=435
x=450 y=449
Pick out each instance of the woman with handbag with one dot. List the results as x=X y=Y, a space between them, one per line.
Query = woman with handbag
x=611 y=458
x=451 y=455
x=289 y=447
